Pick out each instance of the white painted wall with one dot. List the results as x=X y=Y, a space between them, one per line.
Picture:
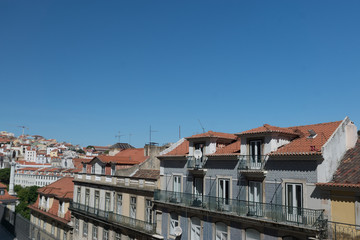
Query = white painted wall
x=335 y=148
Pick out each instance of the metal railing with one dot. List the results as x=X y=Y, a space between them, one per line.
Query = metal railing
x=272 y=212
x=116 y=218
x=336 y=230
x=252 y=162
x=196 y=163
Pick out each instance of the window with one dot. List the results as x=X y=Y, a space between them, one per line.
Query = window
x=195 y=226
x=44 y=225
x=149 y=213
x=252 y=234
x=294 y=201
x=255 y=154
x=103 y=170
x=95 y=232
x=106 y=234
x=58 y=232
x=133 y=207
x=198 y=189
x=78 y=196
x=221 y=231
x=107 y=202
x=76 y=225
x=177 y=183
x=85 y=229
x=119 y=204
x=52 y=229
x=255 y=198
x=174 y=222
x=93 y=169
x=65 y=236
x=113 y=170
x=87 y=197
x=97 y=201
x=224 y=193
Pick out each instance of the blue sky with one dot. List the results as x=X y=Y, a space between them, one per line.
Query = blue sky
x=80 y=71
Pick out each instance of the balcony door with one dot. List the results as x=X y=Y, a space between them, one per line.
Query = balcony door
x=255 y=154
x=97 y=201
x=198 y=190
x=255 y=198
x=294 y=202
x=224 y=194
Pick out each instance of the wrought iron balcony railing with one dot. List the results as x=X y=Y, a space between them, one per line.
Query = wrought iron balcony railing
x=116 y=218
x=196 y=163
x=252 y=162
x=271 y=212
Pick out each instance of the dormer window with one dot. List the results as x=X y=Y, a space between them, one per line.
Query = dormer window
x=84 y=168
x=92 y=169
x=113 y=170
x=102 y=169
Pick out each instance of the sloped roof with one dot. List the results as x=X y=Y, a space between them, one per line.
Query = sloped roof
x=303 y=145
x=266 y=128
x=147 y=174
x=121 y=146
x=181 y=150
x=62 y=188
x=348 y=171
x=213 y=134
x=6 y=196
x=231 y=149
x=127 y=156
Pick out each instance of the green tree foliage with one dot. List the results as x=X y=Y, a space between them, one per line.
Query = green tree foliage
x=80 y=151
x=5 y=175
x=27 y=196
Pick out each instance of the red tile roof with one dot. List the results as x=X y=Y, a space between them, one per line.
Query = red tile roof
x=62 y=188
x=181 y=150
x=214 y=134
x=231 y=149
x=147 y=174
x=348 y=171
x=6 y=196
x=266 y=128
x=303 y=145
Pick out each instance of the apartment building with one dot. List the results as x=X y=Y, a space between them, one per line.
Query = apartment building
x=257 y=184
x=50 y=215
x=113 y=197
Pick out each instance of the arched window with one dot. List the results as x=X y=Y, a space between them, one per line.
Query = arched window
x=221 y=231
x=195 y=229
x=252 y=234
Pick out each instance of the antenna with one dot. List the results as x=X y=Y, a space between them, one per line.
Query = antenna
x=202 y=126
x=118 y=136
x=179 y=132
x=23 y=129
x=151 y=131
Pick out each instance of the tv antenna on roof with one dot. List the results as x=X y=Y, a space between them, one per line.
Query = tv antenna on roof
x=118 y=136
x=202 y=126
x=151 y=131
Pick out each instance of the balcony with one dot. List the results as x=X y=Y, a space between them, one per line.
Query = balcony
x=252 y=165
x=309 y=218
x=196 y=165
x=111 y=217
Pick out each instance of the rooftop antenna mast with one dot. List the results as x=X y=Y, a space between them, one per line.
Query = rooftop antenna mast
x=23 y=129
x=202 y=126
x=118 y=136
x=151 y=131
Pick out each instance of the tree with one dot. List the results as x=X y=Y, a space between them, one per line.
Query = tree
x=27 y=196
x=5 y=175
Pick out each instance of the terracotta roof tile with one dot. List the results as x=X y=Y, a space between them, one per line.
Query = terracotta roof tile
x=147 y=174
x=214 y=134
x=59 y=188
x=231 y=149
x=266 y=128
x=181 y=150
x=303 y=145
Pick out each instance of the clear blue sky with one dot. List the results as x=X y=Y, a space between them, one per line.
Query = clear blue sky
x=80 y=71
